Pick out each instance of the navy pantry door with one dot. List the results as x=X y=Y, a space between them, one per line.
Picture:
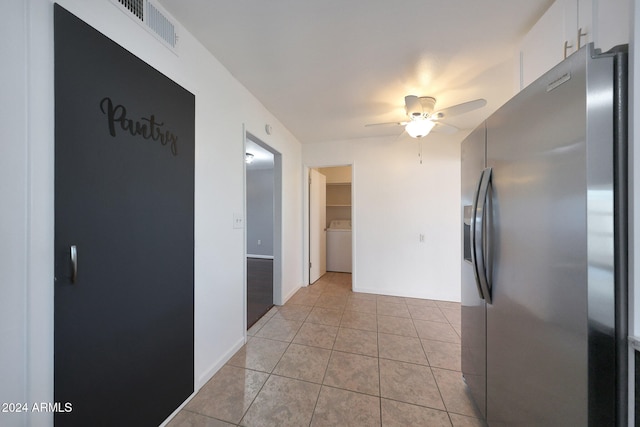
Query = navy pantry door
x=124 y=197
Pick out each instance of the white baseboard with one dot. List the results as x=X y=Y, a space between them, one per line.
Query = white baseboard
x=208 y=374
x=392 y=293
x=290 y=294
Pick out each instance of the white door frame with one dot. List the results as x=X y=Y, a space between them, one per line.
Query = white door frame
x=277 y=219
x=305 y=216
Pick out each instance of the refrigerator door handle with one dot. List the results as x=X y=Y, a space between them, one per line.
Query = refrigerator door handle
x=481 y=233
x=473 y=236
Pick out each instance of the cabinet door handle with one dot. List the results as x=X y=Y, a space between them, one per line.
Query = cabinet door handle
x=74 y=263
x=581 y=35
x=567 y=46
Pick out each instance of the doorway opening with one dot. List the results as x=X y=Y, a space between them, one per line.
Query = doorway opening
x=263 y=179
x=330 y=221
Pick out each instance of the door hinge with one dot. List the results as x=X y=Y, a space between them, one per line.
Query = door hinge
x=310 y=265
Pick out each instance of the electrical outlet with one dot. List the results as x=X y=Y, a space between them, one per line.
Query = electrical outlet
x=421 y=238
x=259 y=242
x=238 y=220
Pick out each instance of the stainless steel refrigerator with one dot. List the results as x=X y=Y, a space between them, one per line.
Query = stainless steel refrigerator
x=544 y=265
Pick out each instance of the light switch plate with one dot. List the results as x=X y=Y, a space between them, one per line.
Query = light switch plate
x=238 y=220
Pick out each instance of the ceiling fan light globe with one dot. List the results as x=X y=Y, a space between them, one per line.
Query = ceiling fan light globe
x=419 y=128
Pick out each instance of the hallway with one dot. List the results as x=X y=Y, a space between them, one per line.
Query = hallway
x=332 y=357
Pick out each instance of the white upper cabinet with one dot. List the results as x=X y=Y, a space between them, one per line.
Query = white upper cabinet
x=543 y=47
x=610 y=21
x=567 y=26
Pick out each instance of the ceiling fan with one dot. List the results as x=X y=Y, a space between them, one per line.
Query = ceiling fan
x=423 y=119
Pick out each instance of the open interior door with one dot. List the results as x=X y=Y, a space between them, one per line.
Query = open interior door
x=317 y=225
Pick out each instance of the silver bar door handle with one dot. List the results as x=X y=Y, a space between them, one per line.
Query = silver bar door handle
x=474 y=224
x=74 y=263
x=481 y=231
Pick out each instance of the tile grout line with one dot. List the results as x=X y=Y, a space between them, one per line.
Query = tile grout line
x=270 y=373
x=332 y=289
x=432 y=374
x=325 y=369
x=328 y=362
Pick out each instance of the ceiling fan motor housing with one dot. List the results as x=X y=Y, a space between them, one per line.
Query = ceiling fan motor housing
x=418 y=107
x=428 y=105
x=412 y=106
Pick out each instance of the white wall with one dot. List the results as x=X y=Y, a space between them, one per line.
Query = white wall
x=395 y=199
x=260 y=212
x=26 y=185
x=13 y=208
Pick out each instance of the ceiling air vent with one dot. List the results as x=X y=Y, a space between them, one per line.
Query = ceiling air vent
x=134 y=6
x=153 y=18
x=161 y=25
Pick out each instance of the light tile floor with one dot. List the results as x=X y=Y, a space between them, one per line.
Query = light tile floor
x=332 y=357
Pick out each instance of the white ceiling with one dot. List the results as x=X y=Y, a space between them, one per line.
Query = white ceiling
x=325 y=68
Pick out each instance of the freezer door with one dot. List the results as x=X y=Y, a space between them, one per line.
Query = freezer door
x=474 y=332
x=539 y=331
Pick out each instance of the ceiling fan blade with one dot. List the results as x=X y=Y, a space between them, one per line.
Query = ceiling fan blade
x=386 y=124
x=465 y=107
x=444 y=128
